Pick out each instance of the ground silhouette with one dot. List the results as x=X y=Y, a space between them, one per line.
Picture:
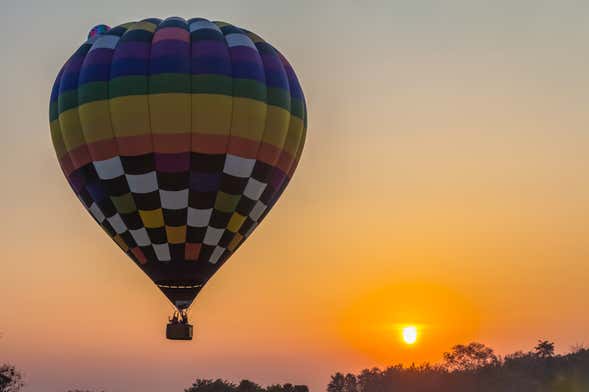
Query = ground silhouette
x=473 y=367
x=476 y=368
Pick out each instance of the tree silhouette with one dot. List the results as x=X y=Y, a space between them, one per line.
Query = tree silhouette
x=337 y=383
x=475 y=368
x=11 y=380
x=249 y=386
x=469 y=358
x=350 y=383
x=544 y=349
x=219 y=385
x=203 y=385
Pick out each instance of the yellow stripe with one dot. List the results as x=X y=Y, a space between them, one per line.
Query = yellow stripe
x=170 y=113
x=71 y=129
x=57 y=139
x=249 y=118
x=95 y=121
x=293 y=138
x=277 y=124
x=130 y=115
x=211 y=114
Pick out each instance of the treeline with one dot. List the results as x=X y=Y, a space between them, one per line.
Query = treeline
x=466 y=368
x=476 y=368
x=12 y=381
x=205 y=385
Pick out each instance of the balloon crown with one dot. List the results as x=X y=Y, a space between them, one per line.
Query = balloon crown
x=98 y=30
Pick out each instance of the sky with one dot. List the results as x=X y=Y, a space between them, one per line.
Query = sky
x=443 y=184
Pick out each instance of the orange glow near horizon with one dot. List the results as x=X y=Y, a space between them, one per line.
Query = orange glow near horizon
x=375 y=322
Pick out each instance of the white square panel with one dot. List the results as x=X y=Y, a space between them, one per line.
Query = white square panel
x=258 y=210
x=238 y=167
x=97 y=212
x=216 y=255
x=254 y=189
x=174 y=200
x=109 y=168
x=117 y=223
x=105 y=41
x=162 y=252
x=204 y=24
x=140 y=236
x=236 y=39
x=142 y=183
x=213 y=236
x=199 y=217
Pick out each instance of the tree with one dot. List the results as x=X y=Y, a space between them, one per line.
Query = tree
x=337 y=383
x=81 y=390
x=205 y=385
x=288 y=387
x=350 y=383
x=544 y=349
x=10 y=379
x=249 y=386
x=274 y=388
x=469 y=358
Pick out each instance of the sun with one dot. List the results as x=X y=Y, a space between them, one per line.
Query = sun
x=410 y=334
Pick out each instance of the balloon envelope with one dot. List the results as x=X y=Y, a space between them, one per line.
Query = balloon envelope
x=178 y=136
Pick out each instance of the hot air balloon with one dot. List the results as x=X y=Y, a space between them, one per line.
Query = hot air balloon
x=178 y=136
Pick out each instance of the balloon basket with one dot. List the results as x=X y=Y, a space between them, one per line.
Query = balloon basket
x=179 y=331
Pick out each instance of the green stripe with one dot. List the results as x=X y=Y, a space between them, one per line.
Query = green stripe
x=169 y=83
x=279 y=97
x=297 y=108
x=128 y=85
x=248 y=88
x=94 y=91
x=212 y=84
x=67 y=100
x=176 y=83
x=53 y=111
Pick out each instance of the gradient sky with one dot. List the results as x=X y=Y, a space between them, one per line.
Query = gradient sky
x=444 y=183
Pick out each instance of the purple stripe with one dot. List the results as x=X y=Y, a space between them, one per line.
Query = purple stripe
x=132 y=49
x=295 y=88
x=74 y=64
x=209 y=48
x=277 y=178
x=99 y=56
x=77 y=181
x=172 y=48
x=172 y=163
x=55 y=89
x=272 y=62
x=243 y=53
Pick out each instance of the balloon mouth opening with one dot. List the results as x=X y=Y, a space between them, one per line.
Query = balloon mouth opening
x=98 y=30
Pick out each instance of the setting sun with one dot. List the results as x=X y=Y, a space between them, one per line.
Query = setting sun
x=410 y=334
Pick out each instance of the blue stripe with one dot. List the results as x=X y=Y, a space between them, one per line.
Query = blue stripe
x=248 y=70
x=169 y=64
x=211 y=65
x=124 y=67
x=94 y=73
